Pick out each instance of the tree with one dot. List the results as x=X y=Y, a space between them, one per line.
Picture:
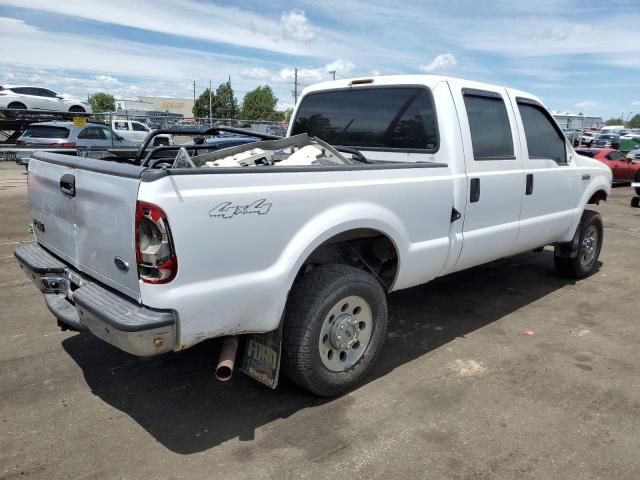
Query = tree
x=226 y=104
x=201 y=106
x=615 y=121
x=635 y=121
x=102 y=102
x=259 y=104
x=282 y=116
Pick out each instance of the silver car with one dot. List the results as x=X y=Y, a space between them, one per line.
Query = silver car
x=70 y=135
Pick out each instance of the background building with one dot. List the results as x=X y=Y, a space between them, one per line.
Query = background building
x=180 y=106
x=183 y=106
x=578 y=121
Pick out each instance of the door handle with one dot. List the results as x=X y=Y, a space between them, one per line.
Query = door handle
x=68 y=185
x=529 y=189
x=474 y=194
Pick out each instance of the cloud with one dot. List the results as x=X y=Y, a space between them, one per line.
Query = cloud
x=256 y=72
x=586 y=104
x=312 y=75
x=540 y=36
x=32 y=56
x=635 y=103
x=189 y=18
x=340 y=66
x=443 y=61
x=296 y=26
x=304 y=74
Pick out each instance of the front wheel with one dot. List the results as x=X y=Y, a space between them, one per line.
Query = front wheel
x=335 y=326
x=637 y=180
x=585 y=262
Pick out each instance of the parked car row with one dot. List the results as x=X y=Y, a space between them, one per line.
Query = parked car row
x=624 y=140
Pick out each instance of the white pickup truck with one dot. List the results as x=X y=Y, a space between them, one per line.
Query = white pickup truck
x=137 y=131
x=420 y=176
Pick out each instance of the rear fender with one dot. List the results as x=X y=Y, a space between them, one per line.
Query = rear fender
x=332 y=222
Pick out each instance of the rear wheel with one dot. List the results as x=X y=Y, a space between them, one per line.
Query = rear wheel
x=78 y=109
x=335 y=326
x=584 y=263
x=637 y=180
x=17 y=106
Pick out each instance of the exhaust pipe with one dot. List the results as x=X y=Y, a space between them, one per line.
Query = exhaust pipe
x=227 y=358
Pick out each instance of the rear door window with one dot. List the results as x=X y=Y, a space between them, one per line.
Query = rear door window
x=489 y=123
x=44 y=131
x=121 y=125
x=138 y=127
x=398 y=118
x=92 y=133
x=544 y=138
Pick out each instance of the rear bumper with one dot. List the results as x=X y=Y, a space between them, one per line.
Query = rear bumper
x=82 y=304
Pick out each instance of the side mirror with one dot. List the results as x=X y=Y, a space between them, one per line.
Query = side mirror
x=59 y=97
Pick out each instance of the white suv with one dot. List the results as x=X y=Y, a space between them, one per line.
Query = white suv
x=36 y=98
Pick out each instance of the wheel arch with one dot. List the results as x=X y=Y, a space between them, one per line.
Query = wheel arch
x=345 y=222
x=598 y=190
x=18 y=102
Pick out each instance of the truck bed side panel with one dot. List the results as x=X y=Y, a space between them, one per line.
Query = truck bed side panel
x=239 y=248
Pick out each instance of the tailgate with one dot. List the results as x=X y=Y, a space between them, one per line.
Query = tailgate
x=84 y=211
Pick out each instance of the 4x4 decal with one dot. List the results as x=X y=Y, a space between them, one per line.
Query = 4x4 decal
x=228 y=210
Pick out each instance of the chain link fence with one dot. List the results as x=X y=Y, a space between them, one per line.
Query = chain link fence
x=128 y=128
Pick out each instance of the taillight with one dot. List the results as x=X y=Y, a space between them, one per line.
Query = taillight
x=155 y=255
x=20 y=142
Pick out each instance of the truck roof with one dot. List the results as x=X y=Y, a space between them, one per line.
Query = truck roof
x=427 y=80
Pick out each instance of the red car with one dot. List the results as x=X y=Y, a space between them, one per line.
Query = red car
x=624 y=169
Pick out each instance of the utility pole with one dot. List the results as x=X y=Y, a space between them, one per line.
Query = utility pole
x=209 y=102
x=194 y=98
x=332 y=72
x=295 y=86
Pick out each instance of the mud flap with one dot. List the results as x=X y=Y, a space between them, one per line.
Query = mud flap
x=570 y=249
x=261 y=356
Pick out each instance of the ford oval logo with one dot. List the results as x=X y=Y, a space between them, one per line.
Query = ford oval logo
x=121 y=264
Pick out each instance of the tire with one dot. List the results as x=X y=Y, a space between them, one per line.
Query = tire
x=589 y=246
x=161 y=142
x=314 y=321
x=77 y=109
x=635 y=202
x=637 y=179
x=17 y=106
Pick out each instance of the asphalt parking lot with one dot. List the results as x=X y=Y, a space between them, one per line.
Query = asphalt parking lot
x=460 y=391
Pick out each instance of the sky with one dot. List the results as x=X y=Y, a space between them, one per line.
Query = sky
x=577 y=55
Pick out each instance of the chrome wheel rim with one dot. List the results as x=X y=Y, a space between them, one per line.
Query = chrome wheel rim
x=589 y=246
x=345 y=333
